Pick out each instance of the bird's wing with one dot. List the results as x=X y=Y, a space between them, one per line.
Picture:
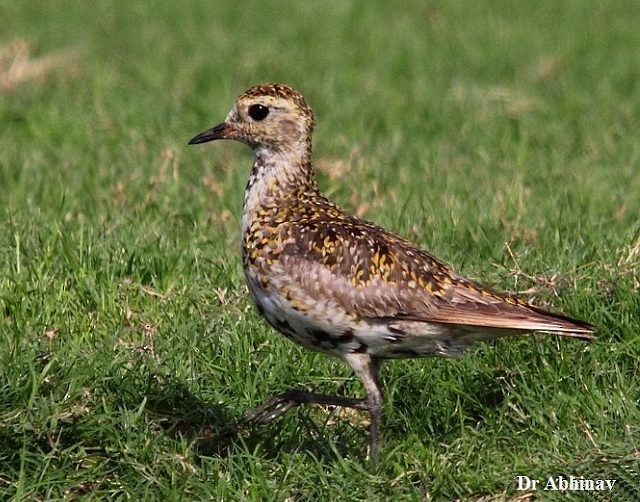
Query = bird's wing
x=378 y=276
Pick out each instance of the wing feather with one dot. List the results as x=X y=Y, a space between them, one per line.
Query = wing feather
x=378 y=276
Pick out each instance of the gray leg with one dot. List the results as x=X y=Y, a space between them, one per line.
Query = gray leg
x=366 y=368
x=282 y=403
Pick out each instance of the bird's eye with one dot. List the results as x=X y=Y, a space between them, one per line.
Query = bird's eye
x=258 y=112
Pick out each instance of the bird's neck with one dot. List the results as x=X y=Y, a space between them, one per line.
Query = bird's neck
x=277 y=176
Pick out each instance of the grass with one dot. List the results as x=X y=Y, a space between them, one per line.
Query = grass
x=501 y=137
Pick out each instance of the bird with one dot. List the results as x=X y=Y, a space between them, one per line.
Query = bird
x=343 y=286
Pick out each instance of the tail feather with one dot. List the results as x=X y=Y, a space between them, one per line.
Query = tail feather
x=511 y=317
x=559 y=324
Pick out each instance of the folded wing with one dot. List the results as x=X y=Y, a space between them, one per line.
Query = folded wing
x=380 y=277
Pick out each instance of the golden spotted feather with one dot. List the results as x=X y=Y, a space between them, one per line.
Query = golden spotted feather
x=377 y=281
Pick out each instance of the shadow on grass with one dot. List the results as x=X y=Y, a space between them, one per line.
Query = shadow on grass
x=299 y=431
x=213 y=431
x=180 y=413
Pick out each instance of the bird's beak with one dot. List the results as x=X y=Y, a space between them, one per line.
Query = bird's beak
x=221 y=131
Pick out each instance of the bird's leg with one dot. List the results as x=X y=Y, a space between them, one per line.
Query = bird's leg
x=366 y=368
x=280 y=404
x=374 y=400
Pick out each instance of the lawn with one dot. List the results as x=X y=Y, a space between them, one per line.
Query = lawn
x=503 y=137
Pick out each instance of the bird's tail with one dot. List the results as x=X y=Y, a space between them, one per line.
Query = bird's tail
x=543 y=321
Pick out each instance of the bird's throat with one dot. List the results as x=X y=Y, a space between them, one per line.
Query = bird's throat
x=276 y=177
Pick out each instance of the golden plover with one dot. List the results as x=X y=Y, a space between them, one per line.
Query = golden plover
x=343 y=286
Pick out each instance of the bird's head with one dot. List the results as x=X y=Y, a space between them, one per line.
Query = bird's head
x=271 y=116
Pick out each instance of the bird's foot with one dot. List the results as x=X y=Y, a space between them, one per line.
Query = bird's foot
x=280 y=404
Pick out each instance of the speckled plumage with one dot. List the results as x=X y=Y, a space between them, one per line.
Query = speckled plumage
x=337 y=284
